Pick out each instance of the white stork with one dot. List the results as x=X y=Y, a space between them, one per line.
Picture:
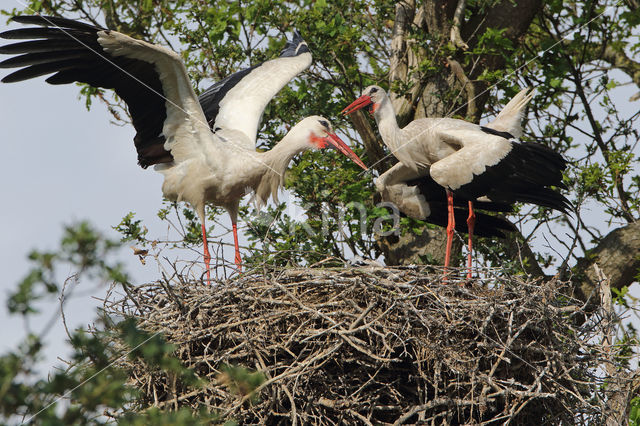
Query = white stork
x=205 y=148
x=485 y=165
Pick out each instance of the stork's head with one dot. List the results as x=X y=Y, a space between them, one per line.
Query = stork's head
x=370 y=99
x=320 y=135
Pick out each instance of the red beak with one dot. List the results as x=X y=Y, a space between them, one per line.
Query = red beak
x=361 y=102
x=338 y=144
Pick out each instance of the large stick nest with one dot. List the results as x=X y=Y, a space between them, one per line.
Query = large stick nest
x=373 y=346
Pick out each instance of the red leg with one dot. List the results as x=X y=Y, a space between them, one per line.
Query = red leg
x=471 y=221
x=238 y=259
x=207 y=256
x=451 y=226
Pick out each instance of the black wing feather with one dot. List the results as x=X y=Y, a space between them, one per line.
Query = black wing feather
x=297 y=46
x=491 y=131
x=36 y=46
x=54 y=20
x=41 y=58
x=486 y=225
x=210 y=99
x=41 y=69
x=525 y=175
x=49 y=33
x=70 y=51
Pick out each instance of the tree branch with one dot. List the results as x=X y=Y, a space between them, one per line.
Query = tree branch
x=609 y=54
x=402 y=61
x=372 y=145
x=398 y=66
x=456 y=38
x=621 y=61
x=617 y=255
x=517 y=248
x=577 y=81
x=467 y=85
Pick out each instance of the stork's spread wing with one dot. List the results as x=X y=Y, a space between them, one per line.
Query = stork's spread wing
x=150 y=79
x=237 y=102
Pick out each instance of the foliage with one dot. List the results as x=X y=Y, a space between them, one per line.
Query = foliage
x=91 y=388
x=84 y=249
x=634 y=412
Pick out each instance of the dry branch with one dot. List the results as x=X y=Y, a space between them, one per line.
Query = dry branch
x=376 y=346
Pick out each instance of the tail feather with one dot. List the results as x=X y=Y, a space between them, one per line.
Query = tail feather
x=545 y=197
x=510 y=118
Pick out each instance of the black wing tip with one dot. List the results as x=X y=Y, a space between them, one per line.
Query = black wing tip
x=295 y=47
x=490 y=131
x=566 y=206
x=42 y=20
x=32 y=19
x=54 y=21
x=297 y=37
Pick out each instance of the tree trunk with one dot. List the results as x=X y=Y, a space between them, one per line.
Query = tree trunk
x=617 y=257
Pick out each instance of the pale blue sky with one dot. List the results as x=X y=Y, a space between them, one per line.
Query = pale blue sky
x=62 y=164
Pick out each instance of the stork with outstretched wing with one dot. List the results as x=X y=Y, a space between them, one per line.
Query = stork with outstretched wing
x=205 y=148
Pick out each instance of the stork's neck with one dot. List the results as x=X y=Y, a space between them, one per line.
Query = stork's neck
x=387 y=124
x=277 y=159
x=273 y=165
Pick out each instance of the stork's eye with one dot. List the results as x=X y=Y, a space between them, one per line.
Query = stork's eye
x=374 y=90
x=324 y=123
